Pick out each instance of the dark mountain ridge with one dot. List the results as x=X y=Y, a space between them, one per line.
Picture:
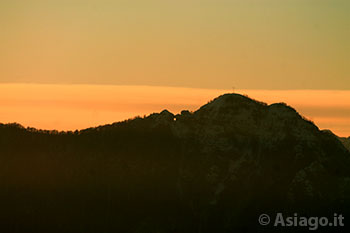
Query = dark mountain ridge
x=346 y=142
x=213 y=170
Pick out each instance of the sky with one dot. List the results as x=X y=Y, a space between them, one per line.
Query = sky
x=250 y=44
x=71 y=107
x=100 y=58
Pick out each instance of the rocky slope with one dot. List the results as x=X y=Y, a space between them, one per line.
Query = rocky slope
x=346 y=142
x=213 y=170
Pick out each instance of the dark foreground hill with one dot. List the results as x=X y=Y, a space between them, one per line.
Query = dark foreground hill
x=211 y=171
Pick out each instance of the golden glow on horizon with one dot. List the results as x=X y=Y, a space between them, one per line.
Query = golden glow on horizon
x=70 y=107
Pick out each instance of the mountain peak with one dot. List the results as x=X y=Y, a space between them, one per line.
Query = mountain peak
x=234 y=151
x=231 y=101
x=165 y=112
x=233 y=98
x=164 y=117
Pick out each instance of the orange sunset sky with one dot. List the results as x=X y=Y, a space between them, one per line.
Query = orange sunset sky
x=75 y=64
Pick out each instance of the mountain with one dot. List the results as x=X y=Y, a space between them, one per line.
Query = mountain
x=213 y=170
x=346 y=142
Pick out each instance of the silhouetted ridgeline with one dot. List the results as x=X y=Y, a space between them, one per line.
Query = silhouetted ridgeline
x=346 y=142
x=213 y=170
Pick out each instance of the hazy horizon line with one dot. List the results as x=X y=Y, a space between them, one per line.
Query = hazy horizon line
x=70 y=107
